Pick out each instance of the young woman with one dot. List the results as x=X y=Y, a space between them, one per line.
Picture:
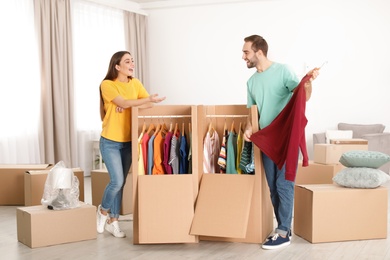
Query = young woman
x=119 y=92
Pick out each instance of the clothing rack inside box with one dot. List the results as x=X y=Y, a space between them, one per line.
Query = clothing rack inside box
x=163 y=204
x=160 y=218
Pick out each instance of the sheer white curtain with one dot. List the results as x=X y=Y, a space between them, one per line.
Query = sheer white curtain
x=98 y=32
x=20 y=84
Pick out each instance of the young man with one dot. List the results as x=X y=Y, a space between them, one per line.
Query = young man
x=270 y=88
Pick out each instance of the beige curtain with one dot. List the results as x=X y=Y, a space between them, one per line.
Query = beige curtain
x=136 y=43
x=57 y=130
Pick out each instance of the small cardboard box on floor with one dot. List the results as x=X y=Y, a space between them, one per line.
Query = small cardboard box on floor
x=317 y=173
x=99 y=181
x=38 y=226
x=331 y=213
x=34 y=185
x=12 y=182
x=331 y=153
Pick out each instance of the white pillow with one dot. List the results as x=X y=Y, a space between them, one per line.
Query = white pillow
x=361 y=177
x=338 y=134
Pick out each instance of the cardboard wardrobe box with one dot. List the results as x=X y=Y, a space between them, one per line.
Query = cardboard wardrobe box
x=34 y=185
x=331 y=153
x=12 y=182
x=317 y=173
x=215 y=207
x=99 y=181
x=331 y=213
x=231 y=207
x=38 y=226
x=164 y=204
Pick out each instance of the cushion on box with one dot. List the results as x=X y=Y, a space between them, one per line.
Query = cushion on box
x=361 y=177
x=338 y=134
x=361 y=158
x=360 y=130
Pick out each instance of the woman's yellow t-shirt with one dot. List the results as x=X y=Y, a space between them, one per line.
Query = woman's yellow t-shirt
x=117 y=126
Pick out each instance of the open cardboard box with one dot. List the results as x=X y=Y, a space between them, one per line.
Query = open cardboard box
x=34 y=185
x=219 y=207
x=12 y=182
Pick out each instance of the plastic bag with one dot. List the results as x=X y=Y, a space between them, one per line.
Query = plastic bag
x=61 y=188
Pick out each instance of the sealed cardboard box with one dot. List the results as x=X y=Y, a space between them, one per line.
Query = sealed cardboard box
x=12 y=182
x=99 y=181
x=34 y=185
x=331 y=153
x=38 y=226
x=317 y=173
x=331 y=213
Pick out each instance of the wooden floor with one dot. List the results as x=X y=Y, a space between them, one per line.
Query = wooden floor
x=109 y=247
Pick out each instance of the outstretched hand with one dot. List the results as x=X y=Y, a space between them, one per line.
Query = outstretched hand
x=154 y=98
x=314 y=73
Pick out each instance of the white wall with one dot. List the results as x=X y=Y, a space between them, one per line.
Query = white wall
x=195 y=54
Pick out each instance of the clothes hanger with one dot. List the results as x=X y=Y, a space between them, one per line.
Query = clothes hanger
x=232 y=127
x=151 y=128
x=158 y=128
x=143 y=127
x=211 y=128
x=171 y=127
x=182 y=129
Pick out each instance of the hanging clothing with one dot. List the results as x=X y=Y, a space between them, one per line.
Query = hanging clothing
x=247 y=164
x=282 y=139
x=231 y=153
x=150 y=155
x=210 y=152
x=183 y=151
x=190 y=154
x=223 y=152
x=239 y=151
x=158 y=147
x=141 y=168
x=167 y=149
x=174 y=152
x=144 y=144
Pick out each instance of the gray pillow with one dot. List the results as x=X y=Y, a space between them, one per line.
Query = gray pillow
x=363 y=158
x=361 y=177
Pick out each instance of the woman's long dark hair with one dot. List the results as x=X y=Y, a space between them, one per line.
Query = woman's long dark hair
x=112 y=74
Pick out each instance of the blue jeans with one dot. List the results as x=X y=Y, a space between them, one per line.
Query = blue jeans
x=117 y=157
x=282 y=194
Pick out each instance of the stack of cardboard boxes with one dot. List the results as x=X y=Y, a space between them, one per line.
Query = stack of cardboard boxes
x=37 y=226
x=326 y=212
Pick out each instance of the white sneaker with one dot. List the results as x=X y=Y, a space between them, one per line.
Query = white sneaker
x=100 y=220
x=114 y=229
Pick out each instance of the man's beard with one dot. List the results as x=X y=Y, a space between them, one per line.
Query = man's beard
x=250 y=64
